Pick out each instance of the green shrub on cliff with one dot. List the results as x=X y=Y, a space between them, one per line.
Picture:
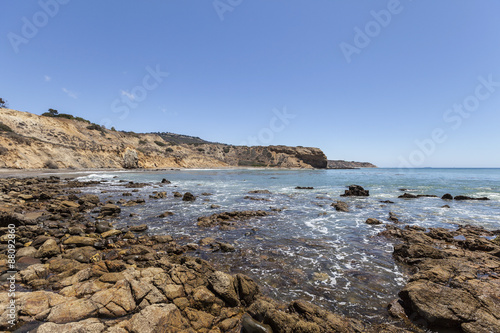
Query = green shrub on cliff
x=161 y=144
x=3 y=103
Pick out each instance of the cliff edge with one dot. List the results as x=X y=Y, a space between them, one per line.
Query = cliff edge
x=30 y=141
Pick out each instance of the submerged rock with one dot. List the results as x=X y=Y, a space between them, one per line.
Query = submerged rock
x=188 y=197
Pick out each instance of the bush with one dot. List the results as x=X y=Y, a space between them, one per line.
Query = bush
x=226 y=149
x=5 y=128
x=160 y=143
x=200 y=149
x=95 y=127
x=169 y=150
x=3 y=150
x=142 y=142
x=3 y=103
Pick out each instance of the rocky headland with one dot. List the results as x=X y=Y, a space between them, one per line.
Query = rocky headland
x=29 y=141
x=341 y=164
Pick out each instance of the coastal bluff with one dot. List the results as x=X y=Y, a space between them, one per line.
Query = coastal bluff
x=30 y=141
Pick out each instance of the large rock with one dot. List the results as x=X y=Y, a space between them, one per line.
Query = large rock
x=223 y=285
x=355 y=191
x=79 y=241
x=109 y=210
x=130 y=159
x=340 y=206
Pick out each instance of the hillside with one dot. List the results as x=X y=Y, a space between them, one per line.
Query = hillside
x=340 y=164
x=48 y=142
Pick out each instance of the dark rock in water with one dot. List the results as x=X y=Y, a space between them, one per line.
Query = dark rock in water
x=138 y=228
x=393 y=217
x=304 y=188
x=426 y=196
x=464 y=197
x=355 y=191
x=340 y=206
x=177 y=195
x=214 y=206
x=259 y=192
x=445 y=206
x=165 y=214
x=109 y=210
x=247 y=197
x=165 y=181
x=387 y=201
x=408 y=196
x=126 y=194
x=188 y=197
x=227 y=219
x=206 y=194
x=250 y=325
x=224 y=247
x=373 y=221
x=447 y=196
x=158 y=195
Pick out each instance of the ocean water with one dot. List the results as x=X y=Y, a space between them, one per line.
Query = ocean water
x=309 y=250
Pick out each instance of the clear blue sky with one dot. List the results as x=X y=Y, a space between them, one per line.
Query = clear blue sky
x=358 y=96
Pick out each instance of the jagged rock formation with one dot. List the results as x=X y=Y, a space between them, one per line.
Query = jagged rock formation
x=49 y=142
x=340 y=164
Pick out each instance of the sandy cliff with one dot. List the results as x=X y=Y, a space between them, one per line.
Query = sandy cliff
x=48 y=142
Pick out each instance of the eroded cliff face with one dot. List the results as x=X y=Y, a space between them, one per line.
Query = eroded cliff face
x=47 y=142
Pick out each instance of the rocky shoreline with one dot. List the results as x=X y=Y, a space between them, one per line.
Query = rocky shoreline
x=76 y=273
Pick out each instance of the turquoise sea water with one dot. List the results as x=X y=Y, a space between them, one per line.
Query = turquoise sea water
x=308 y=249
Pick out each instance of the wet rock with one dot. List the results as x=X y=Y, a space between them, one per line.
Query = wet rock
x=447 y=196
x=341 y=206
x=304 y=188
x=464 y=197
x=158 y=195
x=224 y=247
x=445 y=206
x=387 y=201
x=109 y=210
x=89 y=199
x=165 y=181
x=213 y=206
x=138 y=228
x=228 y=218
x=355 y=191
x=407 y=196
x=247 y=197
x=177 y=195
x=393 y=218
x=259 y=192
x=70 y=204
x=373 y=221
x=34 y=272
x=188 y=197
x=166 y=214
x=102 y=226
